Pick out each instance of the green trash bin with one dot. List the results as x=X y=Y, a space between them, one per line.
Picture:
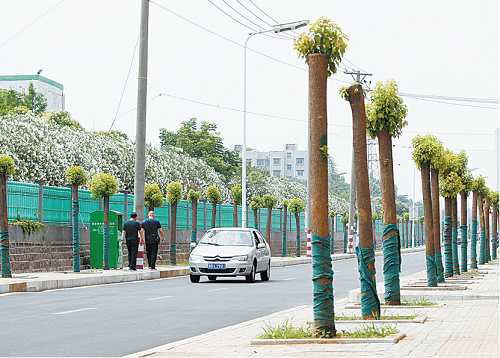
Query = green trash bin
x=97 y=239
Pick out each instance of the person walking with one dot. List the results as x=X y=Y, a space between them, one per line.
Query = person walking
x=149 y=229
x=132 y=236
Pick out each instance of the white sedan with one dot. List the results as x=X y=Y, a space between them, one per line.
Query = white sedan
x=229 y=252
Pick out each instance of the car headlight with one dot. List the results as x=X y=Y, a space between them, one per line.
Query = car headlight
x=241 y=258
x=195 y=257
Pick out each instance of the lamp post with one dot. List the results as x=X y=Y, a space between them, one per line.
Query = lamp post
x=276 y=29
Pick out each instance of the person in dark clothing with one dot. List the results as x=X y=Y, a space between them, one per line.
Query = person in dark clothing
x=150 y=229
x=133 y=237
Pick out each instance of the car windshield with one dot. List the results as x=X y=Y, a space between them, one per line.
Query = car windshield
x=227 y=238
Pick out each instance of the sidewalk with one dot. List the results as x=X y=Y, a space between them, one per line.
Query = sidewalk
x=41 y=281
x=456 y=327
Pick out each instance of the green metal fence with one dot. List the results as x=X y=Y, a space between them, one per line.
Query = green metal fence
x=22 y=199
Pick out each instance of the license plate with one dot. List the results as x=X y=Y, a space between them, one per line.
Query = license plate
x=216 y=266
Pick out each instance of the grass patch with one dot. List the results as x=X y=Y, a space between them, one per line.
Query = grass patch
x=471 y=273
x=420 y=301
x=286 y=330
x=344 y=317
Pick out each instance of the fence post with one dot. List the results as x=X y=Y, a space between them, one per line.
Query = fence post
x=125 y=204
x=40 y=199
x=100 y=204
x=204 y=213
x=187 y=215
x=220 y=214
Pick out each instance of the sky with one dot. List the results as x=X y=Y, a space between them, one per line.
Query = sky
x=439 y=49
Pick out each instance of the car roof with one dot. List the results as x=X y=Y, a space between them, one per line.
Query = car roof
x=234 y=228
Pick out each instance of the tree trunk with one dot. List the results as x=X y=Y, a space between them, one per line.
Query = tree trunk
x=235 y=214
x=194 y=221
x=214 y=214
x=391 y=240
x=487 y=227
x=297 y=226
x=106 y=234
x=495 y=232
x=463 y=231
x=429 y=242
x=4 y=229
x=269 y=225
x=320 y=241
x=370 y=305
x=436 y=237
x=482 y=246
x=256 y=220
x=283 y=245
x=473 y=233
x=454 y=236
x=151 y=208
x=345 y=235
x=173 y=235
x=448 y=259
x=76 y=234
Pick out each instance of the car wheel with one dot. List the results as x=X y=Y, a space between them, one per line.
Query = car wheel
x=212 y=277
x=194 y=278
x=265 y=275
x=251 y=276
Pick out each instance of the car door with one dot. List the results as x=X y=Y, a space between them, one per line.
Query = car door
x=263 y=253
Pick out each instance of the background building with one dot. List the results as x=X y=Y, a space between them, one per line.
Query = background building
x=52 y=90
x=290 y=163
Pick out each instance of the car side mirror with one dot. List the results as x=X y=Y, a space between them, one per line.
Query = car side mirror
x=193 y=244
x=261 y=245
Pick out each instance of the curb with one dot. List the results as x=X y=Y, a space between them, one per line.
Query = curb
x=392 y=338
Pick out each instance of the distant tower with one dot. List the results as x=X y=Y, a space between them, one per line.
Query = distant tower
x=372 y=155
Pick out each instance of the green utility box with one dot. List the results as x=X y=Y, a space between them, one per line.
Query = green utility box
x=97 y=239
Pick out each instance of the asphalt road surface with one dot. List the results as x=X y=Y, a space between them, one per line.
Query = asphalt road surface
x=120 y=319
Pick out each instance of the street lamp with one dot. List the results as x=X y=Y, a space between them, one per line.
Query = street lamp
x=276 y=29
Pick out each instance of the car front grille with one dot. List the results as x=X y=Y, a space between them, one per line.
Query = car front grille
x=227 y=270
x=216 y=258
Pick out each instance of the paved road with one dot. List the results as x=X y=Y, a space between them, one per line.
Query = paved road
x=120 y=319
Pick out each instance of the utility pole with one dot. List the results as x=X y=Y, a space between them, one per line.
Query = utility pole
x=140 y=132
x=358 y=77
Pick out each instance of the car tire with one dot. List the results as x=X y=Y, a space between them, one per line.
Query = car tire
x=251 y=276
x=194 y=278
x=212 y=277
x=265 y=275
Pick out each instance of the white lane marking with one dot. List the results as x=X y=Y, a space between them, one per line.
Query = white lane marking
x=217 y=289
x=74 y=311
x=157 y=298
x=288 y=279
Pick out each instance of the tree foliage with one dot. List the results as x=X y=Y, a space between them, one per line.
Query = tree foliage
x=256 y=202
x=236 y=193
x=296 y=205
x=425 y=148
x=385 y=110
x=324 y=37
x=76 y=175
x=204 y=143
x=213 y=194
x=450 y=185
x=13 y=102
x=101 y=185
x=269 y=201
x=153 y=196
x=193 y=196
x=6 y=165
x=62 y=118
x=174 y=192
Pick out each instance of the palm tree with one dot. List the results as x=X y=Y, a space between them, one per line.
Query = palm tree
x=486 y=196
x=103 y=185
x=255 y=205
x=322 y=48
x=193 y=197
x=174 y=196
x=437 y=165
x=236 y=193
x=494 y=239
x=269 y=201
x=76 y=177
x=386 y=119
x=473 y=226
x=6 y=168
x=285 y=214
x=424 y=150
x=449 y=186
x=481 y=189
x=296 y=206
x=370 y=305
x=214 y=198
